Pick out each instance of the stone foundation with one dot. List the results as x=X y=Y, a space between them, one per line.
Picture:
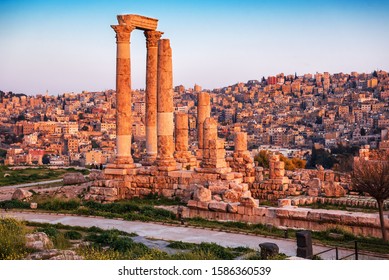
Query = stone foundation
x=126 y=183
x=298 y=218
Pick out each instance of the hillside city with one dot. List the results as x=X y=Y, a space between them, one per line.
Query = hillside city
x=293 y=114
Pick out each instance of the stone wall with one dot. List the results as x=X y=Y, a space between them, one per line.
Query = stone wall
x=299 y=218
x=142 y=181
x=315 y=183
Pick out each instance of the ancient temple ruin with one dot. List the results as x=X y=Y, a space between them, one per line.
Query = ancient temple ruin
x=213 y=185
x=168 y=168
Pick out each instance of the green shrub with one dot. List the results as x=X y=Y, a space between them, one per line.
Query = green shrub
x=12 y=239
x=217 y=250
x=50 y=231
x=181 y=245
x=58 y=238
x=14 y=204
x=73 y=235
x=61 y=242
x=58 y=204
x=97 y=253
x=195 y=255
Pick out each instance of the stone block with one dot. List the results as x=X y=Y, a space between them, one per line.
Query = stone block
x=168 y=193
x=284 y=202
x=202 y=194
x=202 y=205
x=218 y=206
x=249 y=179
x=110 y=171
x=249 y=211
x=282 y=213
x=21 y=194
x=231 y=196
x=248 y=201
x=110 y=192
x=38 y=241
x=349 y=219
x=298 y=214
x=192 y=204
x=144 y=191
x=241 y=209
x=232 y=207
x=314 y=216
x=333 y=189
x=260 y=211
x=268 y=250
x=217 y=187
x=217 y=153
x=330 y=217
x=227 y=176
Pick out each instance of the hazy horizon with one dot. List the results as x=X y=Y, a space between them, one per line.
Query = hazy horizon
x=68 y=46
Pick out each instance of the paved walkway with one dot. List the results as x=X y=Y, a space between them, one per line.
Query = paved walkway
x=176 y=233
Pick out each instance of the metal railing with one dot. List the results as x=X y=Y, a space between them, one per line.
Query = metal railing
x=356 y=251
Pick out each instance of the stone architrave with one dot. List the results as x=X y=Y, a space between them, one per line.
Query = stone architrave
x=165 y=108
x=123 y=94
x=152 y=38
x=203 y=112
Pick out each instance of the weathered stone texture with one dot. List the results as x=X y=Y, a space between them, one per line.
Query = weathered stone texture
x=73 y=178
x=21 y=194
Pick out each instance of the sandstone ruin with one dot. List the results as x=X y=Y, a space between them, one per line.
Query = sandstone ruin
x=213 y=185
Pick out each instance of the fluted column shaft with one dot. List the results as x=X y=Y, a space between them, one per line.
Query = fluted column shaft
x=181 y=132
x=165 y=108
x=123 y=94
x=203 y=112
x=152 y=38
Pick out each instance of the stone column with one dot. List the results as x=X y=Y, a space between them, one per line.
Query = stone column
x=123 y=95
x=213 y=148
x=182 y=153
x=276 y=167
x=181 y=132
x=152 y=38
x=165 y=108
x=210 y=131
x=203 y=112
x=240 y=141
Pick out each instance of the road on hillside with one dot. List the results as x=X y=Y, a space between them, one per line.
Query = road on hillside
x=32 y=184
x=173 y=233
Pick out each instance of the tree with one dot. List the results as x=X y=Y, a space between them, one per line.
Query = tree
x=263 y=158
x=46 y=159
x=372 y=177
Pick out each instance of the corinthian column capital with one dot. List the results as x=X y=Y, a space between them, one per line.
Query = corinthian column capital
x=152 y=38
x=123 y=32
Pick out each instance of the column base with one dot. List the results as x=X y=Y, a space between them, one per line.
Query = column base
x=166 y=164
x=199 y=154
x=149 y=160
x=186 y=158
x=124 y=160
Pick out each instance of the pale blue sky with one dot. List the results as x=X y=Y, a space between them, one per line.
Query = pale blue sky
x=68 y=46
